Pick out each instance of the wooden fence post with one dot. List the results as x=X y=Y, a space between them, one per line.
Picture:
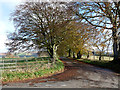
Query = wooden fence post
x=48 y=61
x=27 y=64
x=3 y=64
x=16 y=64
x=36 y=61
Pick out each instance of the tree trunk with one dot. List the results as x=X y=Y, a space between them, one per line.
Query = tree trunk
x=73 y=55
x=69 y=53
x=114 y=32
x=79 y=55
x=119 y=52
x=50 y=52
x=119 y=47
x=115 y=50
x=54 y=53
x=88 y=55
x=100 y=57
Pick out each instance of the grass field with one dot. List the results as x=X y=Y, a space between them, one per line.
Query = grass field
x=32 y=68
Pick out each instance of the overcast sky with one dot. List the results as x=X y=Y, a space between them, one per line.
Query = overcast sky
x=6 y=7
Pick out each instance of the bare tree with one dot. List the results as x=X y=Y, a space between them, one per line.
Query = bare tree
x=39 y=25
x=104 y=15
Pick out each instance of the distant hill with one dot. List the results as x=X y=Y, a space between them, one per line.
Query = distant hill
x=41 y=54
x=2 y=55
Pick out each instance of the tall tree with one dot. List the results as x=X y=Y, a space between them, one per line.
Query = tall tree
x=104 y=15
x=39 y=25
x=77 y=37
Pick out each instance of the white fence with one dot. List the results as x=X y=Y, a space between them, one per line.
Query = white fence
x=97 y=57
x=14 y=64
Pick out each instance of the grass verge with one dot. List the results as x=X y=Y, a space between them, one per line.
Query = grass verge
x=33 y=73
x=103 y=64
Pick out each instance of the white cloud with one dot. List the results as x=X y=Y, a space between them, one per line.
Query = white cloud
x=2 y=43
x=3 y=37
x=2 y=26
x=5 y=27
x=5 y=24
x=15 y=1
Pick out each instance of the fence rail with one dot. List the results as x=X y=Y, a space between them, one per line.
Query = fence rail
x=26 y=63
x=6 y=63
x=97 y=57
x=16 y=64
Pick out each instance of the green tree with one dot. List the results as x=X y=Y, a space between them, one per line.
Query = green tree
x=77 y=38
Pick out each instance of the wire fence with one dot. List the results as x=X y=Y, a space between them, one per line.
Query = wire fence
x=30 y=63
x=23 y=64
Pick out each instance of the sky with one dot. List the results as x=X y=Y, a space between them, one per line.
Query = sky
x=6 y=7
x=6 y=26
